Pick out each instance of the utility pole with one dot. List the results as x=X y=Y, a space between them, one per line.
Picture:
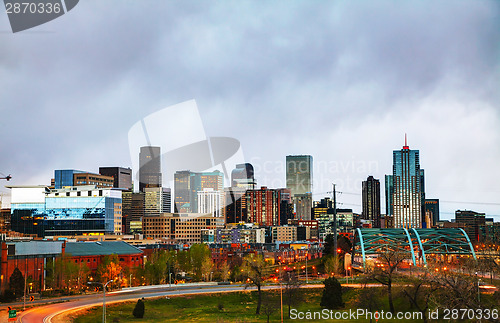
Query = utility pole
x=334 y=220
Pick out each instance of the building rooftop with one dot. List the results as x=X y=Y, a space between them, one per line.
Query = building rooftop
x=101 y=248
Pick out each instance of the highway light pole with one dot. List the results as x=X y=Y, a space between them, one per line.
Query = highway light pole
x=103 y=297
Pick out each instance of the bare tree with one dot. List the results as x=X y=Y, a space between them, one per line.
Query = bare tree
x=386 y=271
x=269 y=306
x=456 y=290
x=292 y=288
x=368 y=298
x=255 y=269
x=419 y=292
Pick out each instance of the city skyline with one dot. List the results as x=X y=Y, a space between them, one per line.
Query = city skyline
x=345 y=96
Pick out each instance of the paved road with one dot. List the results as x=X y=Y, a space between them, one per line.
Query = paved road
x=46 y=313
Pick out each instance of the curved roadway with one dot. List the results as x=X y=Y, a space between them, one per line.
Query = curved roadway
x=46 y=313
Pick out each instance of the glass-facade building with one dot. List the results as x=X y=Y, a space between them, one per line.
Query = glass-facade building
x=188 y=184
x=150 y=167
x=299 y=174
x=82 y=210
x=64 y=177
x=404 y=189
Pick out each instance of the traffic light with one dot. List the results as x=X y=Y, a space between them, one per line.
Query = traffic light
x=339 y=250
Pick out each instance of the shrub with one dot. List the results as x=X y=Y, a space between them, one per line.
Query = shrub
x=332 y=294
x=139 y=309
x=8 y=296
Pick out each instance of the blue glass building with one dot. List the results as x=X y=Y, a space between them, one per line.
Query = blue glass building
x=405 y=189
x=64 y=177
x=82 y=210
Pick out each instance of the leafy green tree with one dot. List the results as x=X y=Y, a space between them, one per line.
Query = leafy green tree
x=156 y=268
x=183 y=261
x=206 y=267
x=332 y=265
x=67 y=272
x=139 y=309
x=16 y=282
x=332 y=294
x=225 y=271
x=198 y=254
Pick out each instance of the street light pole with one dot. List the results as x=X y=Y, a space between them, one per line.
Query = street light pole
x=307 y=278
x=103 y=297
x=104 y=301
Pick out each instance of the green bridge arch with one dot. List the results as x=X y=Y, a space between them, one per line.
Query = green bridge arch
x=416 y=243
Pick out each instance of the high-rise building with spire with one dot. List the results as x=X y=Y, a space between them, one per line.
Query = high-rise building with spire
x=404 y=189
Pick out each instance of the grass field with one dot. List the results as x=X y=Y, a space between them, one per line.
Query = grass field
x=219 y=307
x=239 y=307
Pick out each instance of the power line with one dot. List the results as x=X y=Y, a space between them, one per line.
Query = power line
x=460 y=202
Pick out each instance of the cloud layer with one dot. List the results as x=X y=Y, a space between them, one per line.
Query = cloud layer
x=342 y=81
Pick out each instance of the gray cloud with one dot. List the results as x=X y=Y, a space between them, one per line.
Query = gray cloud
x=340 y=80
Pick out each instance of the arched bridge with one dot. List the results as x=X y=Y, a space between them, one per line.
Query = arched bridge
x=416 y=243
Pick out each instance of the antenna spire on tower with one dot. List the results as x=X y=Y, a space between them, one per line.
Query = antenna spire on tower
x=406 y=143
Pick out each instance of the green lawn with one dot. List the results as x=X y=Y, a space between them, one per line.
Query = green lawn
x=236 y=307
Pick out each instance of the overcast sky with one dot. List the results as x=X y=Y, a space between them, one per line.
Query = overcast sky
x=342 y=81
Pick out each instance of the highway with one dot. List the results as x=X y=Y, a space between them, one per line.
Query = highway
x=49 y=313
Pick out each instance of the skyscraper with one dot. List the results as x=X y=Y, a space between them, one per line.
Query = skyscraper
x=188 y=184
x=122 y=177
x=371 y=201
x=182 y=191
x=299 y=170
x=404 y=191
x=243 y=176
x=299 y=174
x=431 y=207
x=150 y=167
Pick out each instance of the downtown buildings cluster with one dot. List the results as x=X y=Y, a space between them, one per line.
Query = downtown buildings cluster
x=200 y=209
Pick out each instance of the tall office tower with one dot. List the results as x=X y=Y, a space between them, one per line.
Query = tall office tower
x=431 y=207
x=243 y=176
x=303 y=206
x=182 y=191
x=404 y=191
x=371 y=201
x=150 y=167
x=211 y=201
x=286 y=205
x=235 y=205
x=473 y=222
x=263 y=206
x=122 y=177
x=156 y=200
x=299 y=174
x=188 y=184
x=201 y=181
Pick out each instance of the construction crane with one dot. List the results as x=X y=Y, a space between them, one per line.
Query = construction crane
x=8 y=177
